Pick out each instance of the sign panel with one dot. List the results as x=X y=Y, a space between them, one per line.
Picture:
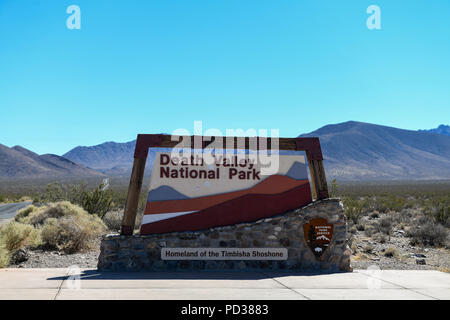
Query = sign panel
x=189 y=193
x=318 y=234
x=224 y=254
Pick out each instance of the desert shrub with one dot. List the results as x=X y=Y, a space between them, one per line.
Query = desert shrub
x=404 y=218
x=352 y=229
x=72 y=232
x=353 y=209
x=374 y=215
x=369 y=231
x=97 y=201
x=380 y=237
x=385 y=203
x=4 y=257
x=354 y=247
x=334 y=188
x=54 y=192
x=113 y=220
x=25 y=212
x=385 y=225
x=407 y=213
x=391 y=252
x=368 y=203
x=53 y=210
x=62 y=225
x=368 y=248
x=439 y=209
x=421 y=220
x=399 y=217
x=15 y=235
x=429 y=233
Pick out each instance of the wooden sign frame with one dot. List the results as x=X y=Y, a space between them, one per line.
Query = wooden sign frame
x=311 y=146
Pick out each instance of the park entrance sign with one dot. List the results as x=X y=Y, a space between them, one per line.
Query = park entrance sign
x=197 y=186
x=187 y=194
x=238 y=204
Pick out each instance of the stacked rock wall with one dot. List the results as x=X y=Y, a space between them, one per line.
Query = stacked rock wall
x=143 y=253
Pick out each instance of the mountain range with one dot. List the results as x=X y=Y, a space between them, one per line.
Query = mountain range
x=18 y=162
x=363 y=151
x=110 y=158
x=442 y=129
x=352 y=151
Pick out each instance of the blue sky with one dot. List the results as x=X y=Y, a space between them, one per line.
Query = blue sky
x=155 y=66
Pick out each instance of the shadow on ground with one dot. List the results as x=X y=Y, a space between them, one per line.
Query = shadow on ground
x=186 y=275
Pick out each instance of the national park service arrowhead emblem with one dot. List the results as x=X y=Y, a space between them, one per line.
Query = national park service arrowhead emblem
x=318 y=235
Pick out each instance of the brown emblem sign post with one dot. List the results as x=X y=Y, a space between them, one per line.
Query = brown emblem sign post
x=318 y=235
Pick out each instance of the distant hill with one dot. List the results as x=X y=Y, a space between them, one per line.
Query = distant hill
x=442 y=129
x=18 y=162
x=363 y=151
x=110 y=158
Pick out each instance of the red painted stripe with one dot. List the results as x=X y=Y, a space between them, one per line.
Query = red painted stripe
x=272 y=185
x=248 y=208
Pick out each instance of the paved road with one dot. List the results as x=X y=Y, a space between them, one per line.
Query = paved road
x=88 y=284
x=9 y=210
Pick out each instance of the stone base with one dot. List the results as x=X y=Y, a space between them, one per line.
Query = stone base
x=143 y=253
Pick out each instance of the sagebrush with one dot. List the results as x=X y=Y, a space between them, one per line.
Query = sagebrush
x=58 y=226
x=15 y=235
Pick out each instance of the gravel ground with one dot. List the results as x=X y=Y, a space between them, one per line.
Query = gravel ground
x=55 y=259
x=407 y=257
x=46 y=259
x=52 y=259
x=435 y=259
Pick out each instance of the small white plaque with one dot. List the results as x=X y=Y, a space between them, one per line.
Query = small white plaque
x=224 y=254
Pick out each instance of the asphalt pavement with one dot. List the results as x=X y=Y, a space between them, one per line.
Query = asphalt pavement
x=8 y=211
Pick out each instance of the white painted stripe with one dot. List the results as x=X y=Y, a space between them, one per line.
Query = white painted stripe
x=150 y=218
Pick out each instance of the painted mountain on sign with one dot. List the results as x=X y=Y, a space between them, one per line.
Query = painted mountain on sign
x=297 y=171
x=165 y=193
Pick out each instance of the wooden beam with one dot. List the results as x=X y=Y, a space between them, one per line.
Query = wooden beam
x=145 y=141
x=129 y=216
x=323 y=188
x=315 y=162
x=318 y=179
x=314 y=182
